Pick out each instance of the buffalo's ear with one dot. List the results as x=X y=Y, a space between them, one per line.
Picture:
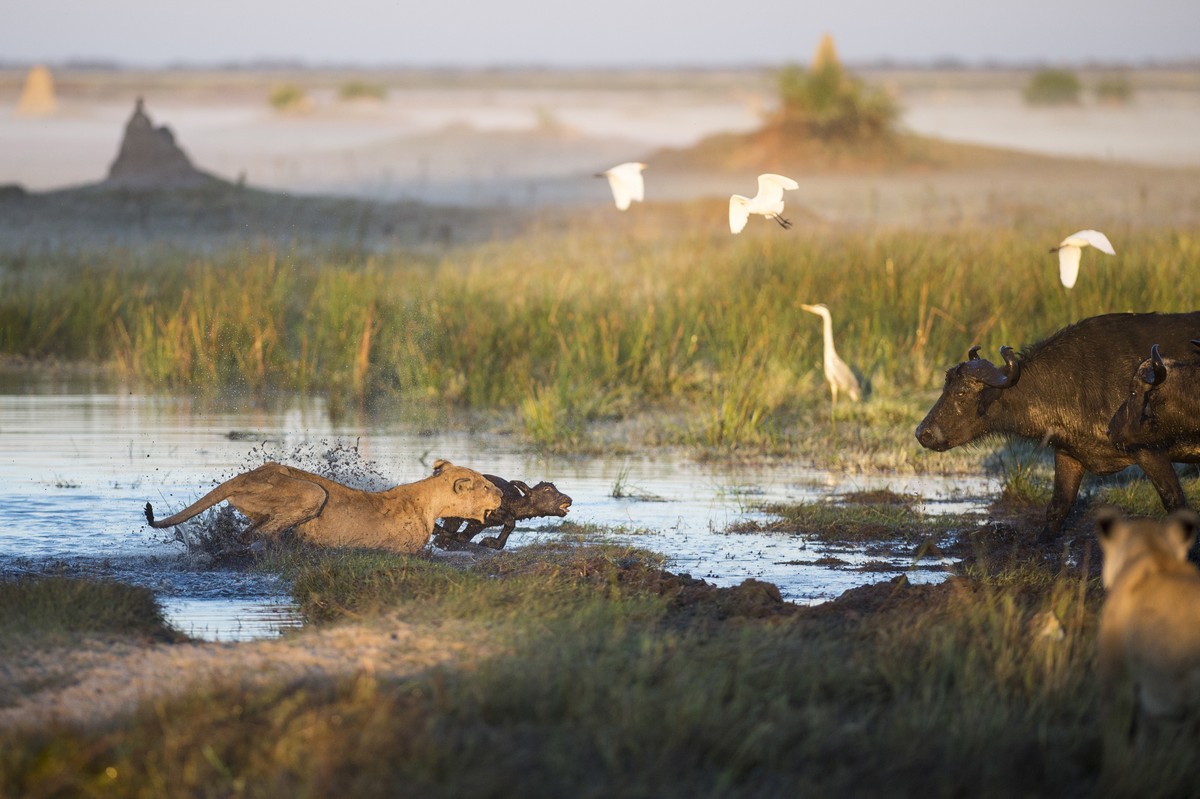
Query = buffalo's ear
x=1107 y=519
x=1182 y=526
x=986 y=398
x=438 y=465
x=462 y=484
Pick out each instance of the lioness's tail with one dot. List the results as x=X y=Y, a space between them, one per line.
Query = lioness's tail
x=218 y=494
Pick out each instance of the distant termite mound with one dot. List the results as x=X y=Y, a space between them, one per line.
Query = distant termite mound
x=149 y=157
x=826 y=55
x=37 y=96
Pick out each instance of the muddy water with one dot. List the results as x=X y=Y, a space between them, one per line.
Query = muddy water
x=76 y=470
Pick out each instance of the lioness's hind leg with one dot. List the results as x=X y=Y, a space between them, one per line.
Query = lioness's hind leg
x=275 y=502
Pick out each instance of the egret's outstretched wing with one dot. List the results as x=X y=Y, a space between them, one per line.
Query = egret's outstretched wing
x=621 y=193
x=739 y=212
x=1068 y=264
x=626 y=183
x=1096 y=239
x=771 y=187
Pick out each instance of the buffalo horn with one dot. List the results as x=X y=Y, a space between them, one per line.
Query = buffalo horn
x=1006 y=379
x=973 y=353
x=1160 y=369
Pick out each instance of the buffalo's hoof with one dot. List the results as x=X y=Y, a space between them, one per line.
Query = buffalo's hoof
x=492 y=542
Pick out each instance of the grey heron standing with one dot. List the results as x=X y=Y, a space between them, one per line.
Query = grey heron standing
x=837 y=373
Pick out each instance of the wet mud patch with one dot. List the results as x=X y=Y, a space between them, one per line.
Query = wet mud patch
x=896 y=594
x=634 y=572
x=876 y=531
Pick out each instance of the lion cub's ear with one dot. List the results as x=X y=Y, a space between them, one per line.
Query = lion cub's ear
x=438 y=465
x=1107 y=519
x=1181 y=529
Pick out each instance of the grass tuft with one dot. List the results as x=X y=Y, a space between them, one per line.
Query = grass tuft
x=60 y=606
x=605 y=685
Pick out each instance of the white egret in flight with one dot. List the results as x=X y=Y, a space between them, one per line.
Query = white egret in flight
x=837 y=373
x=768 y=202
x=1070 y=248
x=626 y=183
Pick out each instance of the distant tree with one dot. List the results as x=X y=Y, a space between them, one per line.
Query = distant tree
x=828 y=102
x=1114 y=90
x=1053 y=87
x=361 y=90
x=289 y=97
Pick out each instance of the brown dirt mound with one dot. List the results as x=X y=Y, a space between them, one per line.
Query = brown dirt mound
x=696 y=599
x=149 y=157
x=787 y=147
x=37 y=96
x=888 y=595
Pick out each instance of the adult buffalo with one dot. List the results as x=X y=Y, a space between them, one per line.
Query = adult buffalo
x=1162 y=407
x=1062 y=392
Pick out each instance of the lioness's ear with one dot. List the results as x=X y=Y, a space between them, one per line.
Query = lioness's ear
x=438 y=465
x=462 y=484
x=1182 y=526
x=1106 y=522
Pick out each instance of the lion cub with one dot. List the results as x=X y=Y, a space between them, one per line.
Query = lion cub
x=1150 y=625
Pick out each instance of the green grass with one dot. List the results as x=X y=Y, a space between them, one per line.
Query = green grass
x=362 y=90
x=859 y=519
x=567 y=330
x=538 y=582
x=1027 y=474
x=1115 y=89
x=62 y=607
x=1053 y=87
x=829 y=102
x=287 y=97
x=1138 y=496
x=607 y=685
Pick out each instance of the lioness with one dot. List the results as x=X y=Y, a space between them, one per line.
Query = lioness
x=1150 y=625
x=277 y=498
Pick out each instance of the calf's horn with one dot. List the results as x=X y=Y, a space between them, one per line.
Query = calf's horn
x=973 y=353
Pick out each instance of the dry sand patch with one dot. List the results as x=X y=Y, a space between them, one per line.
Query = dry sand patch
x=101 y=680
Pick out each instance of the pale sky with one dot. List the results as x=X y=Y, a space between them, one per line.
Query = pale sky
x=595 y=33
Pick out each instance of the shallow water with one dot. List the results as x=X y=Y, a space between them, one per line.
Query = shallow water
x=76 y=470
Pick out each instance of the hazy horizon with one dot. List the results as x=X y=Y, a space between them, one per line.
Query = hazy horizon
x=616 y=34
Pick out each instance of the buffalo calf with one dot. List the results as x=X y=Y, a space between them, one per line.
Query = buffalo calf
x=518 y=502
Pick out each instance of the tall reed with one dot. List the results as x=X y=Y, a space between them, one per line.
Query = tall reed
x=569 y=326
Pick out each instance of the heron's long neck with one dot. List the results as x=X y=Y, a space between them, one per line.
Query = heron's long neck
x=827 y=329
